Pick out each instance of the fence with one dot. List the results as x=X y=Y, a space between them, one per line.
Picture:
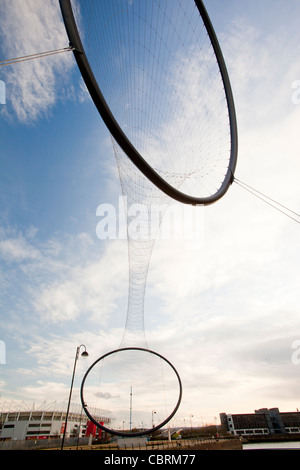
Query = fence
x=73 y=444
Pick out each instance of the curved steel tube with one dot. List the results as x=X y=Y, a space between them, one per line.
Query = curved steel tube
x=118 y=134
x=131 y=434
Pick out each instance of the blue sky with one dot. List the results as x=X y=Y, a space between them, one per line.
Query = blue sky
x=229 y=323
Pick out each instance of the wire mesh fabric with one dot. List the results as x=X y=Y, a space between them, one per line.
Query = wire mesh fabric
x=153 y=68
x=156 y=70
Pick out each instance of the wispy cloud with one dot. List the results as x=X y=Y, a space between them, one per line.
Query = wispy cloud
x=63 y=281
x=17 y=249
x=90 y=289
x=29 y=27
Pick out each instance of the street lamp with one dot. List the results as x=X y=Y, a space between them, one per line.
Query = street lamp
x=153 y=412
x=191 y=416
x=83 y=354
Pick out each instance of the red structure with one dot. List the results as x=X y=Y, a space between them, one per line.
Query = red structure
x=91 y=430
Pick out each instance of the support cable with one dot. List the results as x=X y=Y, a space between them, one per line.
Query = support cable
x=276 y=205
x=38 y=55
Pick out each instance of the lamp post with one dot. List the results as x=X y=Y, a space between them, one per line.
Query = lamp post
x=153 y=413
x=84 y=354
x=191 y=416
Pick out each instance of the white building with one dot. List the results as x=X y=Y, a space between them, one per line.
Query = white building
x=44 y=424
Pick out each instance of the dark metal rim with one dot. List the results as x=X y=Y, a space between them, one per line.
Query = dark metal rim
x=118 y=134
x=133 y=434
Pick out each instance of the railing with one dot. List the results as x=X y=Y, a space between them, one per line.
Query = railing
x=51 y=444
x=152 y=445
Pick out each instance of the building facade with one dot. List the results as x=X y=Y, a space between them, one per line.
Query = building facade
x=262 y=422
x=24 y=425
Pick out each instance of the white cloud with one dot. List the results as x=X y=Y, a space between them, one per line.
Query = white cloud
x=63 y=280
x=30 y=27
x=91 y=289
x=17 y=249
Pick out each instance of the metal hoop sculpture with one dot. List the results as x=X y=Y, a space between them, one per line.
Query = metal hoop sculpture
x=130 y=434
x=121 y=138
x=198 y=145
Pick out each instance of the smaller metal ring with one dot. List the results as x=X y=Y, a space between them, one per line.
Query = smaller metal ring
x=133 y=434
